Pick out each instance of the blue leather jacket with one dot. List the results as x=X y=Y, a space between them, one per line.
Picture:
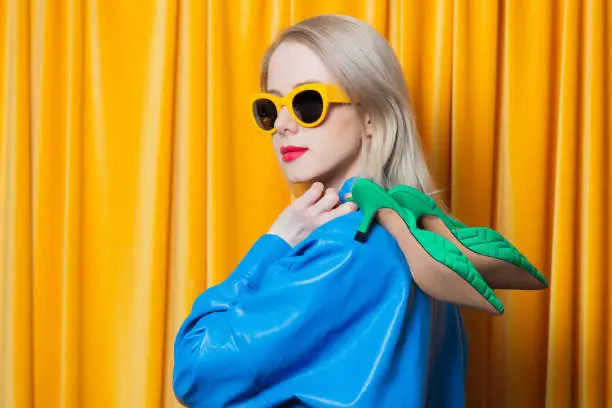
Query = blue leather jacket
x=329 y=323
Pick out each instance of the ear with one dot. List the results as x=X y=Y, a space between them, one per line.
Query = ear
x=367 y=123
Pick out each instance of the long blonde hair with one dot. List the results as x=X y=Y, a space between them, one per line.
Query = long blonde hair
x=367 y=69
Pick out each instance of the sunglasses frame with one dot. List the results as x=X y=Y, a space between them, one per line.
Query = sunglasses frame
x=329 y=94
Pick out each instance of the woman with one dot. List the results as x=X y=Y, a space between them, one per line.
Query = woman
x=311 y=316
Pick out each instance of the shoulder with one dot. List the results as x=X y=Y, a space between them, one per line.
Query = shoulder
x=380 y=249
x=343 y=229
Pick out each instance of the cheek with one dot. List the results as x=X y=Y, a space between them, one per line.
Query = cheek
x=276 y=142
x=342 y=129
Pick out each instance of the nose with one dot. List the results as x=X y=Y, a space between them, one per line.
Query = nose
x=285 y=124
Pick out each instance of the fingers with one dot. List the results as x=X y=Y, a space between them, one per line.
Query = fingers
x=310 y=196
x=322 y=207
x=339 y=211
x=329 y=200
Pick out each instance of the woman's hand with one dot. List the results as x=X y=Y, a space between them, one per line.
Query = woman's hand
x=308 y=212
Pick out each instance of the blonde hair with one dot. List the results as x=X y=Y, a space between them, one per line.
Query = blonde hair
x=368 y=71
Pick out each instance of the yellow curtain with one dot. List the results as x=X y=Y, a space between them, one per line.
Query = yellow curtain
x=131 y=178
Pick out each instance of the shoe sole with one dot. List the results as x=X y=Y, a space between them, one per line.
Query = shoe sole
x=433 y=277
x=499 y=274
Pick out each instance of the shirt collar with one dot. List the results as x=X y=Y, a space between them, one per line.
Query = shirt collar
x=346 y=188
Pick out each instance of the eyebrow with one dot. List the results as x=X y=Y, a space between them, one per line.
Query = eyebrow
x=310 y=81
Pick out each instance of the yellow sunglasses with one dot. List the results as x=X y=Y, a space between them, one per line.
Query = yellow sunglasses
x=308 y=105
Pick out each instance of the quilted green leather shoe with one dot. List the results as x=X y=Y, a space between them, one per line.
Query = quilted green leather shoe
x=501 y=265
x=437 y=266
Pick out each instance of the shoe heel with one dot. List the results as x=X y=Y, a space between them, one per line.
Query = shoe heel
x=370 y=198
x=366 y=222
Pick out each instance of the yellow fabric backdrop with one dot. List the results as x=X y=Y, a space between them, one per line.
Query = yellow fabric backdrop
x=131 y=178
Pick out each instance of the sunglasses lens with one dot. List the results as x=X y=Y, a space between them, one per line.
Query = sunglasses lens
x=265 y=113
x=308 y=106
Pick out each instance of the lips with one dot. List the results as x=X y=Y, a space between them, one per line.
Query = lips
x=291 y=149
x=290 y=153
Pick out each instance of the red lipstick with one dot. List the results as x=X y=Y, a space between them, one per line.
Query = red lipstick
x=291 y=153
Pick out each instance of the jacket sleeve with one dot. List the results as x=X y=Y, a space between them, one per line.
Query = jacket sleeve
x=230 y=348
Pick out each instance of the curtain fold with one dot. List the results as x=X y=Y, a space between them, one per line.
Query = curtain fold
x=132 y=178
x=16 y=253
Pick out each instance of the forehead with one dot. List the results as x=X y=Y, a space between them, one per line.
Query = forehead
x=292 y=63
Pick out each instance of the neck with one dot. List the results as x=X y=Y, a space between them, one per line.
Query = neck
x=336 y=181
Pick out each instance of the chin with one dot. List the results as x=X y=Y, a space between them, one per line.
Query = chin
x=295 y=174
x=298 y=178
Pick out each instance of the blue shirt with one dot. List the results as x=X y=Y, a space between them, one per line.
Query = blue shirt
x=331 y=322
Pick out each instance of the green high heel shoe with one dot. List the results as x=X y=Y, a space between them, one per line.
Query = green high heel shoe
x=501 y=265
x=437 y=266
